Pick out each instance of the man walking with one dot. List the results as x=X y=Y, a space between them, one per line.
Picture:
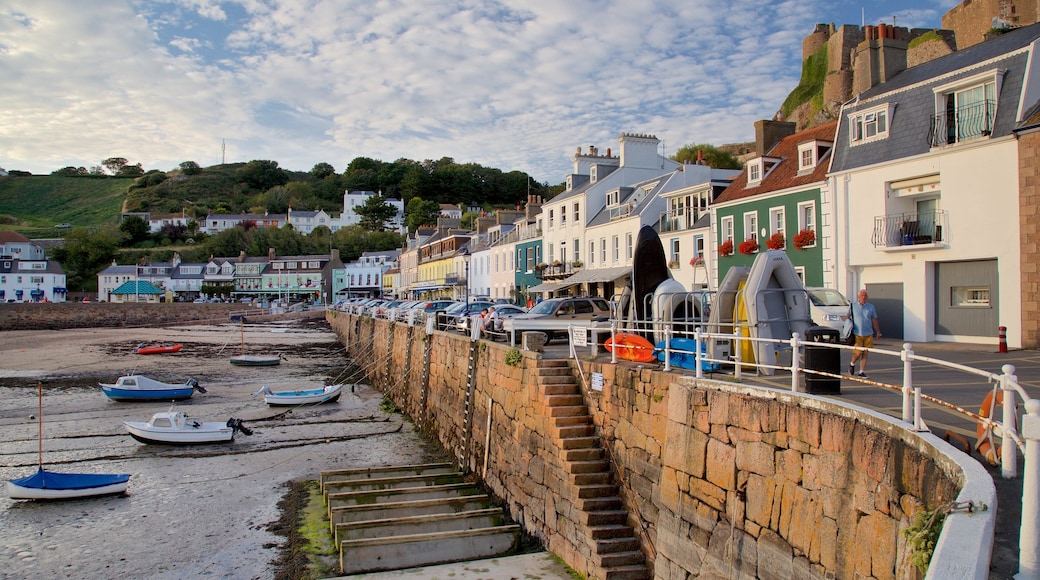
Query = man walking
x=865 y=327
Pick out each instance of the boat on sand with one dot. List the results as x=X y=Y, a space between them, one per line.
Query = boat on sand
x=326 y=394
x=177 y=428
x=142 y=388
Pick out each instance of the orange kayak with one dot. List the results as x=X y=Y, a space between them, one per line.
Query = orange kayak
x=631 y=347
x=159 y=349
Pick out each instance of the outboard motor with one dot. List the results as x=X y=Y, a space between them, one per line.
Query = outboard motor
x=195 y=385
x=236 y=425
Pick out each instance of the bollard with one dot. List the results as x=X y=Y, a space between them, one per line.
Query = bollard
x=1002 y=336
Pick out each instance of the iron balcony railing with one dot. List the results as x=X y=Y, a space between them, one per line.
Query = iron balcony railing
x=908 y=229
x=962 y=123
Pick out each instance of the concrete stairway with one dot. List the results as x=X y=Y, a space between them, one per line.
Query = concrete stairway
x=613 y=543
x=390 y=518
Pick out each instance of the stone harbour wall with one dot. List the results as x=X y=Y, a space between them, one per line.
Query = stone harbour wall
x=59 y=315
x=721 y=480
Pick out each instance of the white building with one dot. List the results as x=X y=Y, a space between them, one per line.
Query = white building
x=356 y=199
x=304 y=222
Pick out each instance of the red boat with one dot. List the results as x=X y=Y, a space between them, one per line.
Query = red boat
x=159 y=349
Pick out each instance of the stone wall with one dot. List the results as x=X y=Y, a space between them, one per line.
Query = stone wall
x=722 y=480
x=1029 y=211
x=58 y=315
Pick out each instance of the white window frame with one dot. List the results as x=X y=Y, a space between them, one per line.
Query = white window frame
x=777 y=219
x=751 y=226
x=577 y=250
x=616 y=243
x=870 y=125
x=754 y=171
x=991 y=76
x=629 y=246
x=726 y=229
x=592 y=252
x=674 y=250
x=577 y=212
x=603 y=250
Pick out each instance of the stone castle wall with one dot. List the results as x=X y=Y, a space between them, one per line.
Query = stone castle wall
x=720 y=479
x=59 y=315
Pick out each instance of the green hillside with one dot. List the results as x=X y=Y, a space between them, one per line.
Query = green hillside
x=39 y=202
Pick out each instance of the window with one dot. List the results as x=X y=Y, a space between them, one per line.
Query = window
x=758 y=169
x=592 y=251
x=617 y=248
x=563 y=251
x=577 y=213
x=776 y=221
x=969 y=297
x=629 y=245
x=754 y=171
x=563 y=216
x=807 y=218
x=698 y=246
x=751 y=225
x=613 y=197
x=811 y=154
x=965 y=110
x=550 y=225
x=674 y=253
x=869 y=125
x=726 y=229
x=603 y=250
x=577 y=250
x=551 y=253
x=530 y=259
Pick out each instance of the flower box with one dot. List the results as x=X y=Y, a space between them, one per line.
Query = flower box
x=726 y=248
x=748 y=246
x=776 y=241
x=804 y=238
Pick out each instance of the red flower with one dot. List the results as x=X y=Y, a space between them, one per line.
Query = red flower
x=804 y=238
x=726 y=248
x=775 y=241
x=694 y=261
x=748 y=246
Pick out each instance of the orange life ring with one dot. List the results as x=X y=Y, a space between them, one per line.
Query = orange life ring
x=984 y=431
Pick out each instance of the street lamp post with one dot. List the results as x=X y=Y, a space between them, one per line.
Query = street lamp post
x=465 y=259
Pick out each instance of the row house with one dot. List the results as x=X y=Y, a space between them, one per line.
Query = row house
x=925 y=190
x=305 y=221
x=216 y=223
x=356 y=199
x=156 y=222
x=774 y=204
x=26 y=275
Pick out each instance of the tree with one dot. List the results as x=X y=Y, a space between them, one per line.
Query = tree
x=114 y=164
x=713 y=156
x=135 y=230
x=375 y=213
x=190 y=168
x=262 y=174
x=130 y=171
x=322 y=170
x=70 y=171
x=420 y=213
x=83 y=255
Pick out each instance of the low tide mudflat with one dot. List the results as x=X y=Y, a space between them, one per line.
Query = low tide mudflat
x=197 y=511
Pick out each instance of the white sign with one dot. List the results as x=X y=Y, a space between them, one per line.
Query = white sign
x=597 y=381
x=580 y=336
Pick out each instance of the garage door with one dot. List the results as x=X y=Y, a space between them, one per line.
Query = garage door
x=888 y=301
x=966 y=300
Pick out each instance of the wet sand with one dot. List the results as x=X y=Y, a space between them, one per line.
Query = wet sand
x=195 y=511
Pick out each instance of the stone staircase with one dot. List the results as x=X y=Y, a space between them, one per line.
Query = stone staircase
x=389 y=518
x=614 y=547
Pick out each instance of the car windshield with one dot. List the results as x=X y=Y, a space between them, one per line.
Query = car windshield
x=827 y=297
x=545 y=307
x=456 y=308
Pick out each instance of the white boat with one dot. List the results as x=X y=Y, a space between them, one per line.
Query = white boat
x=777 y=304
x=142 y=388
x=177 y=428
x=723 y=308
x=326 y=394
x=46 y=484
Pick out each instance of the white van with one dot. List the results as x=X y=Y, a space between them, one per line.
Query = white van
x=828 y=307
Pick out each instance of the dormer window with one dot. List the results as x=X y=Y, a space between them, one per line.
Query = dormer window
x=965 y=110
x=869 y=125
x=613 y=197
x=759 y=168
x=810 y=154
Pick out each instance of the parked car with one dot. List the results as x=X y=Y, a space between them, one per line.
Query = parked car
x=553 y=315
x=828 y=307
x=504 y=311
x=449 y=318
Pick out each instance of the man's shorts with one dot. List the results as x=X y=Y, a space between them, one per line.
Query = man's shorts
x=865 y=341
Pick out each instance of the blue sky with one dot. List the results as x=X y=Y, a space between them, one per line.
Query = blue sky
x=513 y=84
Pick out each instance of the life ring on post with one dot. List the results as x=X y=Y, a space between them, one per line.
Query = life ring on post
x=986 y=444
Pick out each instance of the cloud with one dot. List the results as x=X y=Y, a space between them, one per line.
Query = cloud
x=510 y=84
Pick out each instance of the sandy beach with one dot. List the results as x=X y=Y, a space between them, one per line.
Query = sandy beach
x=195 y=511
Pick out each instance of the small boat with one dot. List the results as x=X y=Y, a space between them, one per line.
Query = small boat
x=45 y=484
x=256 y=360
x=326 y=394
x=158 y=349
x=176 y=428
x=682 y=353
x=142 y=388
x=630 y=347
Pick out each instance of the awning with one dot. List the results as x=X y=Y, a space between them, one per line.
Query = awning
x=36 y=293
x=550 y=287
x=596 y=275
x=18 y=293
x=60 y=290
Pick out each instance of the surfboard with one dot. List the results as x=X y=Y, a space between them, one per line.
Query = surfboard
x=630 y=347
x=649 y=269
x=684 y=354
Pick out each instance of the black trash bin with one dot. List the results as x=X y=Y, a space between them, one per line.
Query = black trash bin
x=824 y=359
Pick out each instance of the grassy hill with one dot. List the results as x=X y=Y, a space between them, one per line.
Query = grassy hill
x=41 y=201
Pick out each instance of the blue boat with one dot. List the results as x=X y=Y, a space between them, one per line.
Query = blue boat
x=53 y=485
x=682 y=354
x=142 y=388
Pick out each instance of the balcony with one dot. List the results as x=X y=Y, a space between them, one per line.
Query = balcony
x=970 y=121
x=912 y=229
x=555 y=271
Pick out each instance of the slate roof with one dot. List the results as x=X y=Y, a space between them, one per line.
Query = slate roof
x=142 y=287
x=603 y=215
x=785 y=174
x=911 y=92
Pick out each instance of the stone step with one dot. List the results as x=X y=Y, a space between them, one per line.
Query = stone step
x=614 y=560
x=568 y=411
x=411 y=551
x=395 y=482
x=597 y=490
x=420 y=524
x=357 y=513
x=574 y=400
x=561 y=388
x=616 y=545
x=385 y=471
x=610 y=532
x=599 y=504
x=556 y=371
x=570 y=431
x=572 y=420
x=604 y=518
x=579 y=442
x=583 y=453
x=350 y=498
x=627 y=573
x=553 y=363
x=600 y=478
x=596 y=466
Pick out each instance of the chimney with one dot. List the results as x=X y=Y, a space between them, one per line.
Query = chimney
x=878 y=58
x=242 y=256
x=700 y=157
x=769 y=133
x=270 y=254
x=334 y=255
x=608 y=151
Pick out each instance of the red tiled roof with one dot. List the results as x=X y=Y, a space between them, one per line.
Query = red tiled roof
x=785 y=174
x=9 y=237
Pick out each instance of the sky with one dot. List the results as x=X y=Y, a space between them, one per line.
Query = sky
x=512 y=84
